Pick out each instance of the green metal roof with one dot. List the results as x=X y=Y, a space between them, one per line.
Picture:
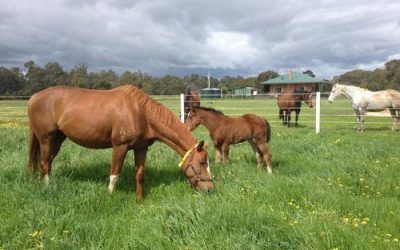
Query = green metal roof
x=297 y=77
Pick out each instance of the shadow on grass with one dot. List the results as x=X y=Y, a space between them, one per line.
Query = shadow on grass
x=99 y=173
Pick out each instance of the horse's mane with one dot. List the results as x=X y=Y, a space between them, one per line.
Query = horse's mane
x=157 y=112
x=211 y=110
x=353 y=87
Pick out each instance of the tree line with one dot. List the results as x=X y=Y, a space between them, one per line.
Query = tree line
x=377 y=79
x=33 y=78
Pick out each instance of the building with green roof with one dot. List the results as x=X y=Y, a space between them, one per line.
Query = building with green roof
x=290 y=82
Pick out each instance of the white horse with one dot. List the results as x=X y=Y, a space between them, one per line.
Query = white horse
x=363 y=99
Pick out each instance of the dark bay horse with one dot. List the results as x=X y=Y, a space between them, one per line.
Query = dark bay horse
x=192 y=99
x=225 y=130
x=288 y=102
x=123 y=118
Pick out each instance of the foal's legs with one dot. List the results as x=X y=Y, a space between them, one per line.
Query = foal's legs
x=258 y=155
x=263 y=146
x=217 y=153
x=49 y=148
x=140 y=158
x=118 y=157
x=225 y=152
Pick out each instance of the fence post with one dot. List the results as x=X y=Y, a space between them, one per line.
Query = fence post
x=317 y=112
x=182 y=108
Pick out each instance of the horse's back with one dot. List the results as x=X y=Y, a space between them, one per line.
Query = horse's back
x=88 y=117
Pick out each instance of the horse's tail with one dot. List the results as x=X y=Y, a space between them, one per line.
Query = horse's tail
x=268 y=130
x=34 y=151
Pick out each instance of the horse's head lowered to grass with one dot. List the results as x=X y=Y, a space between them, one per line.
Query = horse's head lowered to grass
x=196 y=167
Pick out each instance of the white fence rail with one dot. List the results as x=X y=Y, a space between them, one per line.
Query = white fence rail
x=336 y=112
x=340 y=112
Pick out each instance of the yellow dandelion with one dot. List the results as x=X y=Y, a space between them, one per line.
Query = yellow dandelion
x=361 y=179
x=395 y=240
x=38 y=233
x=345 y=220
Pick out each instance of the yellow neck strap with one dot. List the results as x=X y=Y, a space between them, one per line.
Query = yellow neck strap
x=186 y=155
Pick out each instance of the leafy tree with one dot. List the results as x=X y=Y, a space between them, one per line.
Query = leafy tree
x=309 y=72
x=79 y=76
x=264 y=76
x=169 y=85
x=34 y=78
x=128 y=78
x=54 y=75
x=11 y=81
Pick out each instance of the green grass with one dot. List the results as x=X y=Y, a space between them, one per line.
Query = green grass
x=339 y=189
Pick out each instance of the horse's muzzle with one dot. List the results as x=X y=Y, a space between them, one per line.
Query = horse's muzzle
x=205 y=186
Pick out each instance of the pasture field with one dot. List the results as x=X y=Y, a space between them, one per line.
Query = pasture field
x=336 y=190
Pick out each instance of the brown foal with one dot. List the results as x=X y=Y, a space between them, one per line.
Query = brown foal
x=225 y=130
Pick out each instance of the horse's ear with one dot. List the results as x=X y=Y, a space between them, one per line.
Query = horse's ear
x=200 y=146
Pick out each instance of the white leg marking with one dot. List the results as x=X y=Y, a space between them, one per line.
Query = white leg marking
x=113 y=182
x=46 y=179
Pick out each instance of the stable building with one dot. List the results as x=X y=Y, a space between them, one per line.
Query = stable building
x=211 y=93
x=288 y=83
x=241 y=92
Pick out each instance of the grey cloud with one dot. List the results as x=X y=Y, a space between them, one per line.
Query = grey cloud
x=184 y=37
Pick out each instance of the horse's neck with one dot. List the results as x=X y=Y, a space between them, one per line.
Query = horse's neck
x=167 y=128
x=350 y=92
x=298 y=97
x=210 y=119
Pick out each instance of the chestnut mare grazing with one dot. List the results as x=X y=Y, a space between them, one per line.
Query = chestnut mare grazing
x=225 y=130
x=123 y=118
x=288 y=102
x=192 y=99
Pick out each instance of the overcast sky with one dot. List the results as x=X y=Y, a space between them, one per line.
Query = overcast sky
x=181 y=37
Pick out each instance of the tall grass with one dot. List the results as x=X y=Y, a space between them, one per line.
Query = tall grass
x=336 y=190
